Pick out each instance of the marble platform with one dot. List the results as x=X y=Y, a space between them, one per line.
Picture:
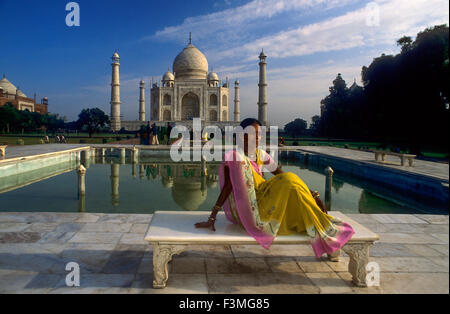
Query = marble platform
x=113 y=256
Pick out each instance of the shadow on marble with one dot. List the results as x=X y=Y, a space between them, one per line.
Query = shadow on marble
x=269 y=283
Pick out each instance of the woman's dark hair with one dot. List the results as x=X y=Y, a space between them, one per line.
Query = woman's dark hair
x=249 y=121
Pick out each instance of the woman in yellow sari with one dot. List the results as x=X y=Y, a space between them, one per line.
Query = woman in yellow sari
x=282 y=205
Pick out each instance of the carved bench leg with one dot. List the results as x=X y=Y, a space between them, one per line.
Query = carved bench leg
x=402 y=159
x=162 y=254
x=359 y=257
x=335 y=256
x=410 y=161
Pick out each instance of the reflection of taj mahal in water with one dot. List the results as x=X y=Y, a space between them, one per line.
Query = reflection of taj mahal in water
x=188 y=182
x=193 y=186
x=191 y=91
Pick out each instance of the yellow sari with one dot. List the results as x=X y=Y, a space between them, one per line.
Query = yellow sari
x=287 y=199
x=282 y=205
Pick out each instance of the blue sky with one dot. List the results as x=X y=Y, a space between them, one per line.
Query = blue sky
x=307 y=42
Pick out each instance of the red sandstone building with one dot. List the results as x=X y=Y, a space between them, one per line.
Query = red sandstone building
x=10 y=94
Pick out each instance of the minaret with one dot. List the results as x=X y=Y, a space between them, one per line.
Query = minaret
x=142 y=102
x=115 y=94
x=115 y=175
x=237 y=103
x=262 y=103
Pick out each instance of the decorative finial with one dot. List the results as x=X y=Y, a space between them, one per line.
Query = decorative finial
x=4 y=75
x=190 y=38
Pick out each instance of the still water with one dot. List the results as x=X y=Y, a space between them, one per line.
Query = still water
x=158 y=184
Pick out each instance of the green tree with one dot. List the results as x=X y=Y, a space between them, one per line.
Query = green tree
x=407 y=94
x=404 y=98
x=13 y=120
x=333 y=109
x=315 y=122
x=54 y=122
x=296 y=127
x=9 y=118
x=405 y=43
x=92 y=119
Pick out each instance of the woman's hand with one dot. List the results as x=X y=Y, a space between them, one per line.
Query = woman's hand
x=206 y=224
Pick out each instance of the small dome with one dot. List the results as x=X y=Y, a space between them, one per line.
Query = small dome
x=167 y=182
x=236 y=83
x=116 y=55
x=191 y=63
x=168 y=76
x=212 y=76
x=9 y=88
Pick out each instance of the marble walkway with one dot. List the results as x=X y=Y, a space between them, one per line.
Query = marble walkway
x=35 y=247
x=420 y=167
x=14 y=153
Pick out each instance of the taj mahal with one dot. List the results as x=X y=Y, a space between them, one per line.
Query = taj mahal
x=190 y=91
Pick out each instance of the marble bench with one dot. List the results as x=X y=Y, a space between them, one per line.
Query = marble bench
x=172 y=232
x=402 y=157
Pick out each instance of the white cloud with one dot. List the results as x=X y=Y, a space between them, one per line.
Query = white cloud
x=233 y=38
x=229 y=23
x=397 y=18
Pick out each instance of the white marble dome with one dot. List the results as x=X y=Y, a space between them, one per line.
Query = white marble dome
x=191 y=63
x=168 y=76
x=212 y=76
x=9 y=88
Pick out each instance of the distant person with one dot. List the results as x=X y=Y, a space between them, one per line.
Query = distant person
x=282 y=143
x=46 y=140
x=148 y=133
x=57 y=140
x=63 y=139
x=154 y=138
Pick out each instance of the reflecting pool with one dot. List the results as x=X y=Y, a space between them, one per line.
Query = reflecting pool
x=156 y=183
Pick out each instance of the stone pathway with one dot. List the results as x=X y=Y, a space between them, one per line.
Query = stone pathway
x=35 y=247
x=15 y=152
x=426 y=168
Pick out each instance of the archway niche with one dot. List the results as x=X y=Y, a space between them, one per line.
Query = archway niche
x=213 y=115
x=167 y=115
x=213 y=100
x=190 y=105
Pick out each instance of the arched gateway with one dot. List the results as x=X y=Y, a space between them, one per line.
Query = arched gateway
x=190 y=106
